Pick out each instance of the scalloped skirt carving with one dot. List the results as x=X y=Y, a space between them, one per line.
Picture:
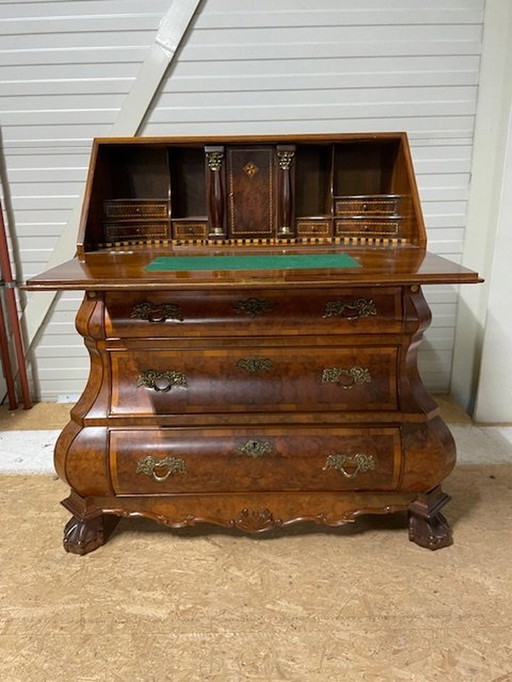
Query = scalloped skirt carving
x=249 y=513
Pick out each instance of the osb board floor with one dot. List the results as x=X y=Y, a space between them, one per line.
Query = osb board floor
x=40 y=416
x=358 y=604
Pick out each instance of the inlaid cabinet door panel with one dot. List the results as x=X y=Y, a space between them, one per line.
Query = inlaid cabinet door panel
x=253 y=379
x=251 y=191
x=145 y=461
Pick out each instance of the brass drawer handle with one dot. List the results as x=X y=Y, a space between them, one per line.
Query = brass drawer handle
x=162 y=381
x=155 y=312
x=252 y=306
x=255 y=448
x=361 y=307
x=346 y=378
x=148 y=464
x=350 y=465
x=255 y=364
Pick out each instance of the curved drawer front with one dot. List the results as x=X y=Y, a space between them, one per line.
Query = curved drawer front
x=263 y=379
x=258 y=312
x=269 y=459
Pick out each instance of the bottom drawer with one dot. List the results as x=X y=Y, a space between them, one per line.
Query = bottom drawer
x=145 y=461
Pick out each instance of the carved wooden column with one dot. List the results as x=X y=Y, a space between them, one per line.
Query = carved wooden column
x=214 y=159
x=285 y=154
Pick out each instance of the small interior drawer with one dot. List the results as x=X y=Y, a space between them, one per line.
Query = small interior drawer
x=135 y=231
x=135 y=209
x=368 y=205
x=313 y=228
x=189 y=230
x=368 y=227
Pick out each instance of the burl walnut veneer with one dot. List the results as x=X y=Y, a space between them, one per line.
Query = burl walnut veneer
x=261 y=397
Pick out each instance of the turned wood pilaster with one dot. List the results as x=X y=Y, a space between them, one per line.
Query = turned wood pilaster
x=285 y=154
x=214 y=160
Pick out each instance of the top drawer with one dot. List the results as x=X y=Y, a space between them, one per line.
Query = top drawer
x=256 y=312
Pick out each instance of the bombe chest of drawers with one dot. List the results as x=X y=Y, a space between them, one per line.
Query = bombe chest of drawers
x=252 y=311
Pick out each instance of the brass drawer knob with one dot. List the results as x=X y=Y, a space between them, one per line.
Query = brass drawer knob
x=361 y=307
x=346 y=378
x=148 y=464
x=156 y=312
x=350 y=465
x=255 y=364
x=162 y=381
x=255 y=448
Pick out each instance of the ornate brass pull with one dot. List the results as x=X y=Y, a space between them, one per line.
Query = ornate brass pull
x=255 y=364
x=256 y=448
x=157 y=312
x=148 y=464
x=361 y=307
x=354 y=375
x=350 y=465
x=252 y=306
x=162 y=381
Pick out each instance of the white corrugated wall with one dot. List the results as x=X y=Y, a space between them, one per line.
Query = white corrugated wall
x=247 y=67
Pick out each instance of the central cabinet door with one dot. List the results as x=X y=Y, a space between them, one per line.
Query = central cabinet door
x=251 y=198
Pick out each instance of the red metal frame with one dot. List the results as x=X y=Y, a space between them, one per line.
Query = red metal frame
x=12 y=313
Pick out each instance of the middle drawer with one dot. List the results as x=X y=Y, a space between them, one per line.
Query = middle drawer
x=253 y=379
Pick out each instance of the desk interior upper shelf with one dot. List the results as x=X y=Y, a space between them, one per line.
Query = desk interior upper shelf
x=346 y=194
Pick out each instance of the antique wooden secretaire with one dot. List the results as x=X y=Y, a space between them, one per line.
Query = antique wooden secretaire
x=252 y=311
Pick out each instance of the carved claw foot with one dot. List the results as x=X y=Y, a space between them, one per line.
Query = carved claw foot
x=427 y=526
x=84 y=536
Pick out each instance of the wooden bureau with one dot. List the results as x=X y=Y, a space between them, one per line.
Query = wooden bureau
x=252 y=311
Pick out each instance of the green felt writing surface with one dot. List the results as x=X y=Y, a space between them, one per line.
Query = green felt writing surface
x=257 y=262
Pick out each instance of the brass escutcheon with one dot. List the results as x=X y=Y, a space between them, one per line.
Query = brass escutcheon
x=252 y=306
x=256 y=448
x=350 y=465
x=255 y=364
x=147 y=465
